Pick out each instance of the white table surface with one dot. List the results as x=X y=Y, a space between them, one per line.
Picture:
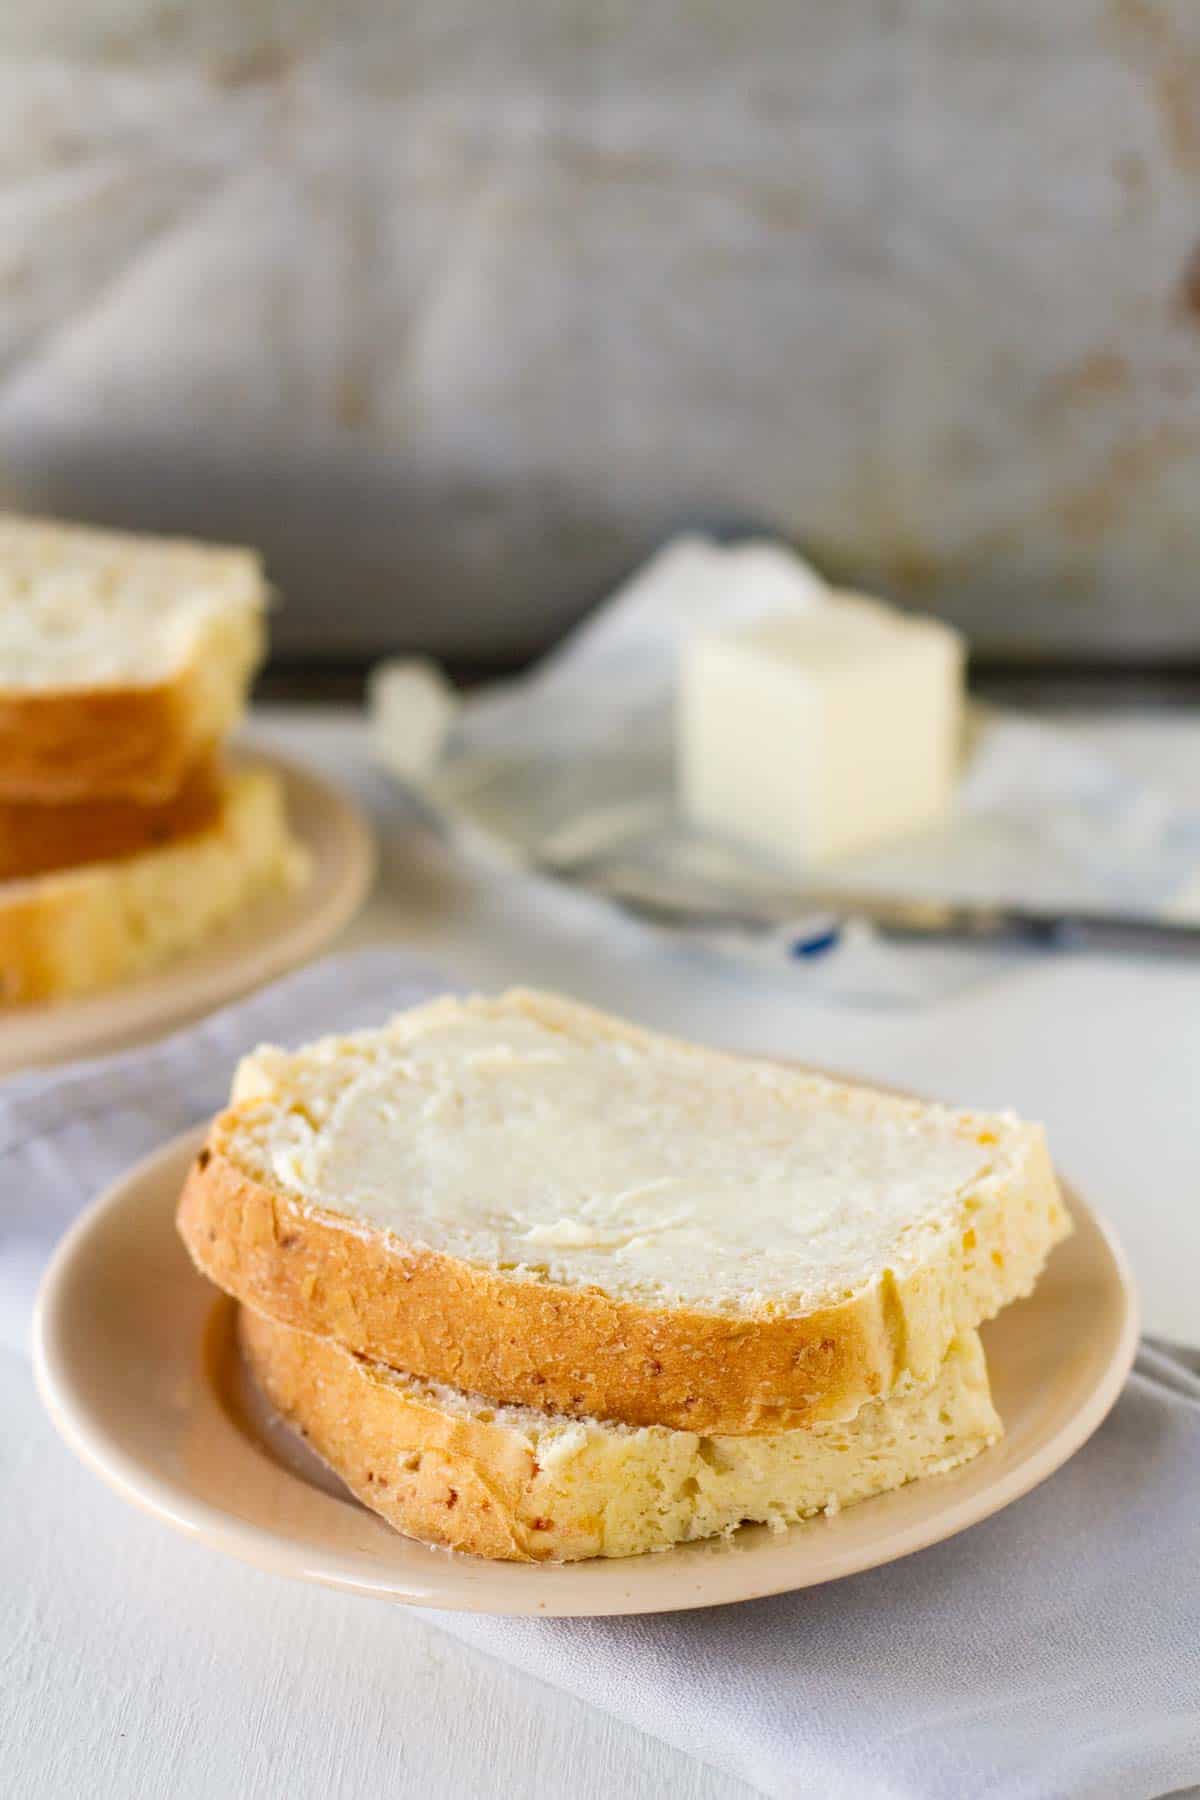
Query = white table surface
x=133 y=1663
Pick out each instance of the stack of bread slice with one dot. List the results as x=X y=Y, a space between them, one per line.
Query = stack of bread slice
x=541 y=1285
x=124 y=838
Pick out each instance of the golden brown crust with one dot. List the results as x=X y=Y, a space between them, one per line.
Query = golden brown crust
x=581 y=1351
x=519 y=1486
x=80 y=930
x=37 y=839
x=445 y=1480
x=132 y=743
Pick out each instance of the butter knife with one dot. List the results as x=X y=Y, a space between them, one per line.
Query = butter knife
x=817 y=916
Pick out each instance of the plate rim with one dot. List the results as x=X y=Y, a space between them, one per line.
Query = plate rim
x=194 y=984
x=199 y=1519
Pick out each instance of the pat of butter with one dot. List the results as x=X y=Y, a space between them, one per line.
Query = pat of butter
x=821 y=730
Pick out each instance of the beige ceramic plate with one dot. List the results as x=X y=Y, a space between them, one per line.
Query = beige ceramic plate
x=135 y=1362
x=274 y=935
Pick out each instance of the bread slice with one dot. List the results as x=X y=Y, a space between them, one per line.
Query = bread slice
x=532 y=1201
x=524 y=1486
x=36 y=839
x=70 y=933
x=123 y=659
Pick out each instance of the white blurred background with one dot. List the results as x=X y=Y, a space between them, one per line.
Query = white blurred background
x=459 y=309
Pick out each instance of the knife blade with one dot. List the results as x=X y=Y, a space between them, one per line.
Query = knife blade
x=699 y=905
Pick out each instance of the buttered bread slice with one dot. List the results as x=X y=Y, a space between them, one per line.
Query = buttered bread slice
x=529 y=1200
x=520 y=1485
x=123 y=659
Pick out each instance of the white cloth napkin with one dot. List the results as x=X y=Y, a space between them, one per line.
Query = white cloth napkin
x=67 y=1133
x=1052 y=1651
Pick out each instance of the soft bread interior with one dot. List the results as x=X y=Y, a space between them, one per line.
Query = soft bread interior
x=514 y=1483
x=84 y=609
